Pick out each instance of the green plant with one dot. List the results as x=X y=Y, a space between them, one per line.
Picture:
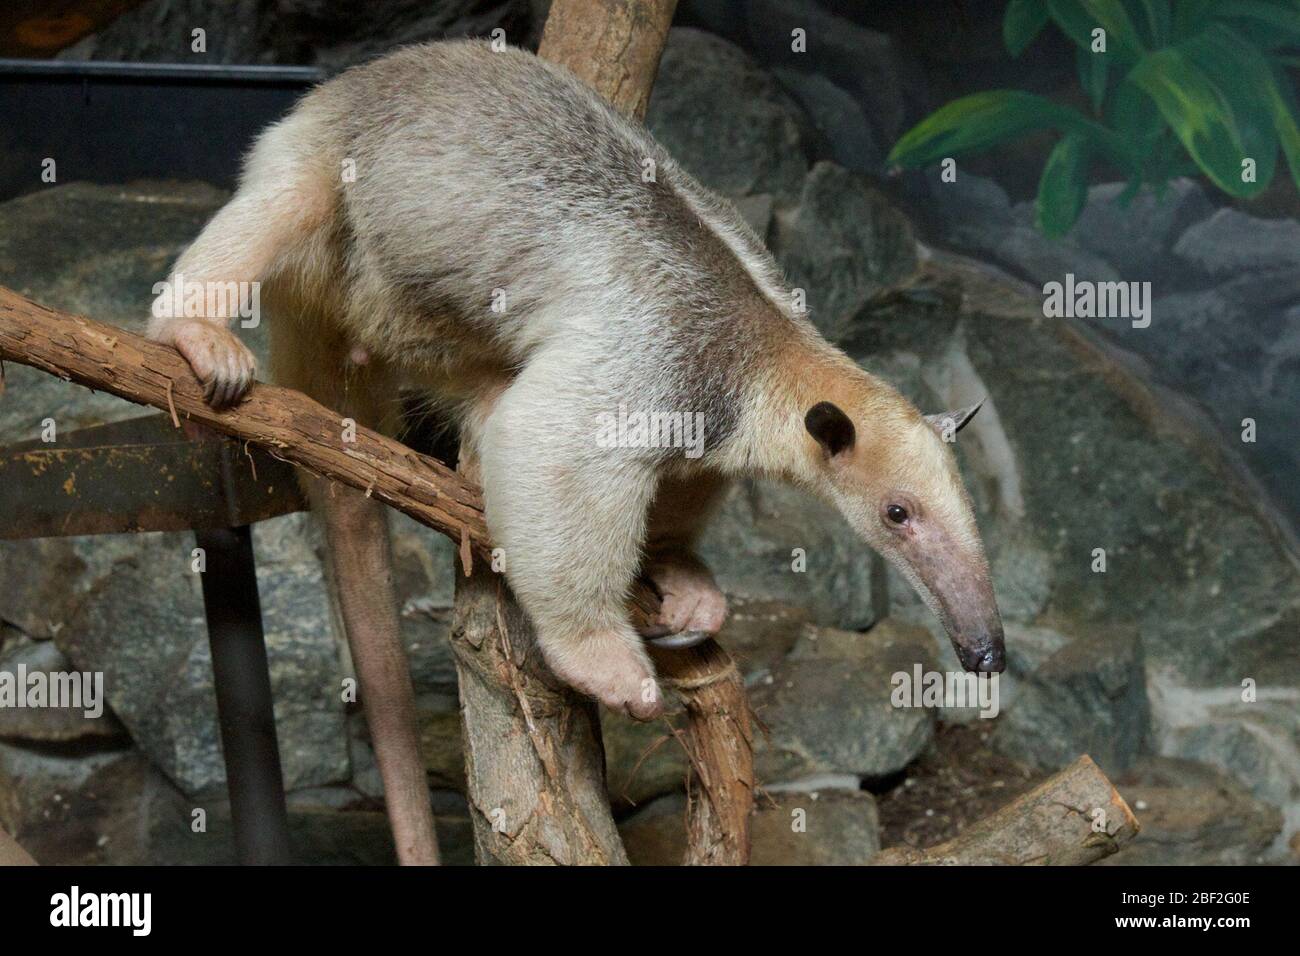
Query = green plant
x=1184 y=86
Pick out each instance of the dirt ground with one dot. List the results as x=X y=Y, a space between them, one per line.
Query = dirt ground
x=957 y=781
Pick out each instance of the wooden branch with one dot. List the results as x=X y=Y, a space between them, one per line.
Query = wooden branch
x=288 y=424
x=614 y=46
x=719 y=742
x=11 y=854
x=534 y=764
x=1073 y=818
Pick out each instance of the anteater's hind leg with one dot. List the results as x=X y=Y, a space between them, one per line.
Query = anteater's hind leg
x=692 y=600
x=313 y=358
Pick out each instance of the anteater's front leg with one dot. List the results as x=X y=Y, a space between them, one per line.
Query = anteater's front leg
x=571 y=519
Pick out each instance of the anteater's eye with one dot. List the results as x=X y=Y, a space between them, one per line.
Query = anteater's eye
x=896 y=513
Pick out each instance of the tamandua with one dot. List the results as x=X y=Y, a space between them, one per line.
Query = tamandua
x=480 y=226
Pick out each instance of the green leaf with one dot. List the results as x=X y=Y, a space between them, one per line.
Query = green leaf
x=1261 y=95
x=1245 y=82
x=983 y=120
x=1190 y=16
x=975 y=123
x=1122 y=37
x=1093 y=69
x=1134 y=117
x=1198 y=114
x=1158 y=19
x=1023 y=21
x=1063 y=187
x=1270 y=25
x=1285 y=113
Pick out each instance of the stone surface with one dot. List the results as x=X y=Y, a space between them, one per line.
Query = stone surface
x=750 y=545
x=1137 y=238
x=789 y=828
x=115 y=808
x=828 y=707
x=1231 y=242
x=724 y=119
x=142 y=625
x=642 y=760
x=1248 y=726
x=1087 y=696
x=49 y=723
x=836 y=128
x=968 y=205
x=1192 y=814
x=843 y=244
x=866 y=63
x=1028 y=253
x=332 y=35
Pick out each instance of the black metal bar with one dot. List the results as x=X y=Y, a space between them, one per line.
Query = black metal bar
x=295 y=76
x=243 y=684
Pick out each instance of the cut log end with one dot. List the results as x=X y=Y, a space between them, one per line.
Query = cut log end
x=1073 y=818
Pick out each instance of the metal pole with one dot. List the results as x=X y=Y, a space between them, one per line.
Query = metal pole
x=243 y=686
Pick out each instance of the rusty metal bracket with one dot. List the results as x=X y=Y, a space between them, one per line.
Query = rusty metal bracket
x=143 y=474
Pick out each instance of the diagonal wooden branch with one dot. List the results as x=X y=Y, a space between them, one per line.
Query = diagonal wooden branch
x=287 y=423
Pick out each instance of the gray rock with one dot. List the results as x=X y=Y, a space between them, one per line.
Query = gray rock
x=1108 y=474
x=1028 y=253
x=724 y=119
x=969 y=203
x=298 y=31
x=828 y=705
x=750 y=543
x=789 y=828
x=1137 y=238
x=757 y=212
x=836 y=128
x=843 y=244
x=116 y=808
x=1220 y=724
x=642 y=760
x=864 y=62
x=1235 y=349
x=1193 y=815
x=424 y=579
x=50 y=723
x=1232 y=242
x=1087 y=697
x=142 y=625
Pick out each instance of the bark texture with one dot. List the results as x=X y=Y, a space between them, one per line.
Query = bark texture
x=1071 y=819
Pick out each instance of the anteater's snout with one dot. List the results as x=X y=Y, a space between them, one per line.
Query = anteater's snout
x=985 y=655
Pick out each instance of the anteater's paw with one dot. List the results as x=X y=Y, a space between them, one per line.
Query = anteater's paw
x=610 y=667
x=692 y=600
x=222 y=363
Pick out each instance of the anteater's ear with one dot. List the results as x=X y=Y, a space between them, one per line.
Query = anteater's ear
x=956 y=420
x=831 y=427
